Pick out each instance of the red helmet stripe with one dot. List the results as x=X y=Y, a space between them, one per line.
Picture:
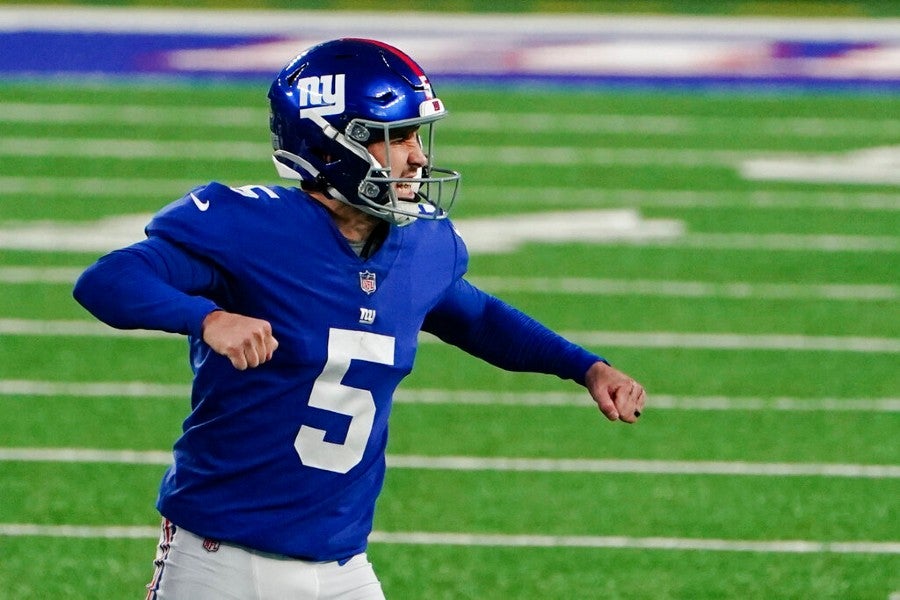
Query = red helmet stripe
x=399 y=54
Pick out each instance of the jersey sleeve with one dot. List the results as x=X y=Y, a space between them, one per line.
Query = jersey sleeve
x=494 y=331
x=152 y=284
x=174 y=278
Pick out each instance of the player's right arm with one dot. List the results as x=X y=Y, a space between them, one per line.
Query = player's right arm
x=154 y=284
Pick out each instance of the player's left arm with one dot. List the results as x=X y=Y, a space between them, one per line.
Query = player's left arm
x=500 y=334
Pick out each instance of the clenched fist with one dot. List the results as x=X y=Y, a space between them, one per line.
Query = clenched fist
x=245 y=341
x=619 y=396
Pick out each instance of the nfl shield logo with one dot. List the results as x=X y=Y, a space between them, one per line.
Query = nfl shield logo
x=367 y=282
x=210 y=545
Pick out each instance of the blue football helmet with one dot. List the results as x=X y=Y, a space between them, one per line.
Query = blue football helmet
x=338 y=97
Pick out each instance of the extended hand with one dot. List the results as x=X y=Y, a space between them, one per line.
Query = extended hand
x=245 y=341
x=619 y=396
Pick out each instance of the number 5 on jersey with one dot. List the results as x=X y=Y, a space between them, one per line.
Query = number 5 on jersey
x=329 y=393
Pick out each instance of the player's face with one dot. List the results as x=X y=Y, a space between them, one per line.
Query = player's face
x=404 y=155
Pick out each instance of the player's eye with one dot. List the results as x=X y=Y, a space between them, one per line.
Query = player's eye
x=403 y=134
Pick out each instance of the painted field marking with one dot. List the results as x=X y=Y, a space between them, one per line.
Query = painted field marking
x=134 y=149
x=530 y=465
x=734 y=341
x=109 y=187
x=75 y=328
x=138 y=114
x=648 y=543
x=862 y=166
x=486 y=234
x=757 y=199
x=880 y=165
x=241 y=151
x=657 y=401
x=94 y=389
x=659 y=339
x=627 y=339
x=424 y=538
x=584 y=285
x=582 y=197
x=685 y=289
x=23 y=274
x=656 y=467
x=139 y=389
x=78 y=531
x=673 y=125
x=534 y=122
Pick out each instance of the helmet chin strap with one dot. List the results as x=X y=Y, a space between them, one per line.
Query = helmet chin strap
x=287 y=172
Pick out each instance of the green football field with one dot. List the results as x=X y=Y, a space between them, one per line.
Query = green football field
x=736 y=252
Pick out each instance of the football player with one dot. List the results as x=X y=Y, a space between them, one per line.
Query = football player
x=302 y=306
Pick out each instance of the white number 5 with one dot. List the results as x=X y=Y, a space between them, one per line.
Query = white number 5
x=329 y=393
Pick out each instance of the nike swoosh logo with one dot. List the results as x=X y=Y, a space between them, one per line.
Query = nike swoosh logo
x=201 y=204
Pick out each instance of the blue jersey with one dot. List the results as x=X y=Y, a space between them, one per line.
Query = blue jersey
x=289 y=457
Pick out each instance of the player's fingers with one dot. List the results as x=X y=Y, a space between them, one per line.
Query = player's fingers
x=238 y=360
x=271 y=347
x=259 y=345
x=251 y=354
x=627 y=398
x=606 y=405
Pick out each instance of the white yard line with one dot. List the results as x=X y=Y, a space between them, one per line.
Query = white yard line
x=582 y=197
x=94 y=389
x=657 y=401
x=657 y=467
x=672 y=125
x=734 y=341
x=628 y=339
x=112 y=187
x=584 y=285
x=592 y=197
x=684 y=289
x=78 y=531
x=258 y=151
x=136 y=114
x=532 y=465
x=87 y=456
x=139 y=389
x=861 y=166
x=648 y=543
x=577 y=124
x=424 y=538
x=63 y=275
x=81 y=328
x=114 y=232
x=134 y=149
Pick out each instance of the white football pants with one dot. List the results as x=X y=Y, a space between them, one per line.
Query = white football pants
x=189 y=567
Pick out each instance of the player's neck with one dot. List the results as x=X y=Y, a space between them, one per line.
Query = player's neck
x=353 y=224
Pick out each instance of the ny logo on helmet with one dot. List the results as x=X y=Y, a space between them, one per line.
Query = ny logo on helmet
x=321 y=95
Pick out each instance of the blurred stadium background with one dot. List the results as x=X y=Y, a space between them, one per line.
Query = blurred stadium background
x=706 y=193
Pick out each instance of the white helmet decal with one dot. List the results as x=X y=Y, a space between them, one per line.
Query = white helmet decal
x=322 y=95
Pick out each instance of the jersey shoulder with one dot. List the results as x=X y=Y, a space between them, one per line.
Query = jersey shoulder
x=440 y=238
x=212 y=217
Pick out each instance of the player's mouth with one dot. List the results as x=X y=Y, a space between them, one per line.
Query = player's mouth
x=406 y=190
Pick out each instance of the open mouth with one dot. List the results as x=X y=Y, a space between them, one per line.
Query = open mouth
x=406 y=190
